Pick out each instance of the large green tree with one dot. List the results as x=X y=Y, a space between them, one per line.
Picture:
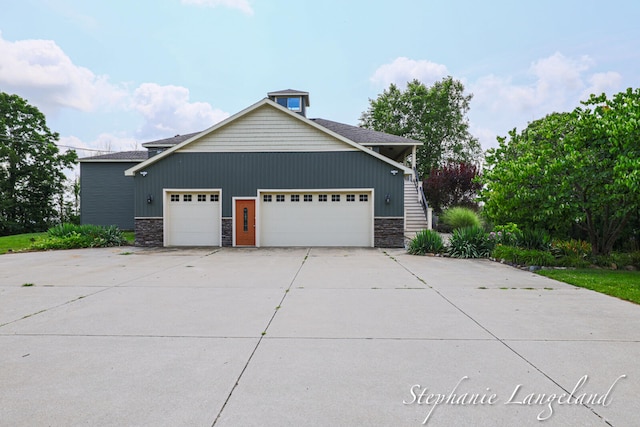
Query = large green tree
x=31 y=167
x=435 y=115
x=571 y=169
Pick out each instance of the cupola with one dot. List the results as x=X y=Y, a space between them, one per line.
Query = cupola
x=295 y=100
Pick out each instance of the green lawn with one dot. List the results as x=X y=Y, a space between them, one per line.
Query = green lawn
x=21 y=242
x=18 y=242
x=617 y=283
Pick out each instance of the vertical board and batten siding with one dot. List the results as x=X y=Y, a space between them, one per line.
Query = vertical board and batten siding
x=266 y=130
x=242 y=174
x=106 y=194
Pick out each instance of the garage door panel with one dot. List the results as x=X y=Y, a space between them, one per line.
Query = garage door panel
x=317 y=223
x=192 y=223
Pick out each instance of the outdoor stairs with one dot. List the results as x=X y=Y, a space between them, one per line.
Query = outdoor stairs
x=414 y=216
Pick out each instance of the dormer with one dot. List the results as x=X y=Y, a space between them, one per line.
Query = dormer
x=294 y=100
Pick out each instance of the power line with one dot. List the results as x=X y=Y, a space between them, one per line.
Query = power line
x=15 y=138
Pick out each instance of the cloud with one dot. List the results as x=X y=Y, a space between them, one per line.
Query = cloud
x=167 y=111
x=103 y=144
x=556 y=83
x=602 y=83
x=242 y=5
x=403 y=70
x=40 y=71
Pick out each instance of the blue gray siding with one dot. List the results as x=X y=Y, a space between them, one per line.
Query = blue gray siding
x=241 y=174
x=106 y=195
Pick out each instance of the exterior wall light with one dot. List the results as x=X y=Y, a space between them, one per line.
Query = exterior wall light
x=149 y=199
x=144 y=173
x=394 y=172
x=387 y=198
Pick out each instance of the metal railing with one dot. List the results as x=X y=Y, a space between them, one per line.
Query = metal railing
x=421 y=197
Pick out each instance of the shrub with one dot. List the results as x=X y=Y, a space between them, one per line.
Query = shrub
x=520 y=256
x=454 y=184
x=460 y=217
x=426 y=241
x=571 y=248
x=72 y=236
x=470 y=242
x=534 y=239
x=620 y=259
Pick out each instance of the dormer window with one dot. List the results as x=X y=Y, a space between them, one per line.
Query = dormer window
x=292 y=103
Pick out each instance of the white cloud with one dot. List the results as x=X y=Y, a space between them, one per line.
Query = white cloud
x=403 y=70
x=242 y=5
x=557 y=83
x=40 y=71
x=602 y=83
x=103 y=144
x=168 y=111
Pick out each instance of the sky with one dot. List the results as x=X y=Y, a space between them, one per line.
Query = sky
x=110 y=75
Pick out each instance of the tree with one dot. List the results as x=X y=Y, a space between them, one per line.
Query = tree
x=31 y=167
x=580 y=168
x=453 y=185
x=435 y=115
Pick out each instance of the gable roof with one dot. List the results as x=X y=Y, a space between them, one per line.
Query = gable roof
x=169 y=142
x=122 y=156
x=366 y=136
x=264 y=102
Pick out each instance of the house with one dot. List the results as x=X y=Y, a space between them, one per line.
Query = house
x=266 y=176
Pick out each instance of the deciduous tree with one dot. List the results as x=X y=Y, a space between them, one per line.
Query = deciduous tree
x=31 y=167
x=578 y=168
x=435 y=115
x=453 y=185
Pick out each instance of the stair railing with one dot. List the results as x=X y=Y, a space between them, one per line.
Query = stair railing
x=422 y=198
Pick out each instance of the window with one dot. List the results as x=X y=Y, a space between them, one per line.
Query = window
x=295 y=197
x=266 y=198
x=202 y=197
x=351 y=197
x=175 y=197
x=293 y=103
x=364 y=197
x=186 y=198
x=308 y=197
x=322 y=197
x=214 y=198
x=279 y=197
x=335 y=197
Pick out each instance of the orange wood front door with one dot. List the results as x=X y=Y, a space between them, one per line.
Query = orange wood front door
x=245 y=222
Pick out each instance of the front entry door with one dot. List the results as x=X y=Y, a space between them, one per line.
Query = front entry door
x=245 y=222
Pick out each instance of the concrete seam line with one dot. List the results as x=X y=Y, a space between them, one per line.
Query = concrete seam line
x=499 y=340
x=246 y=365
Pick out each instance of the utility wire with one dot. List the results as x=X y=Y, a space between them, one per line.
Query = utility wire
x=16 y=138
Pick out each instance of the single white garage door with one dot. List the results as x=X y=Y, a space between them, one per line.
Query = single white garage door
x=314 y=218
x=192 y=218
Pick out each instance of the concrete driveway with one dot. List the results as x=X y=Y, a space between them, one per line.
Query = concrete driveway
x=292 y=337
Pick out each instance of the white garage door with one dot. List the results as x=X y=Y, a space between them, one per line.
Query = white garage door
x=192 y=218
x=312 y=218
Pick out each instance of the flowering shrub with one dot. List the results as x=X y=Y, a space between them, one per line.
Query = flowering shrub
x=572 y=247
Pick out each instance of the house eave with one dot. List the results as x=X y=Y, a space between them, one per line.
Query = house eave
x=266 y=101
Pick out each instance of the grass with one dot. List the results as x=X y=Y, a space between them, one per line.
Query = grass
x=617 y=283
x=18 y=242
x=23 y=242
x=130 y=236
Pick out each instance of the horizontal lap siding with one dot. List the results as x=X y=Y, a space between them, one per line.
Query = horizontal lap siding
x=267 y=130
x=242 y=174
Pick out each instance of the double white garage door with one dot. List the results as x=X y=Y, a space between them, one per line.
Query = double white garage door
x=338 y=218
x=283 y=218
